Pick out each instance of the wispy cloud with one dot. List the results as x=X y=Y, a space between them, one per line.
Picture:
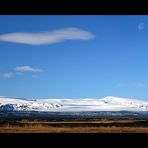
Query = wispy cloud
x=140 y=26
x=34 y=76
x=133 y=85
x=20 y=71
x=49 y=37
x=141 y=85
x=6 y=75
x=27 y=69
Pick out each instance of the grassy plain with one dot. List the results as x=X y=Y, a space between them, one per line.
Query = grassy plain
x=75 y=126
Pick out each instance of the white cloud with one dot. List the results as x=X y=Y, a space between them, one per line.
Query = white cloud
x=51 y=37
x=140 y=26
x=27 y=69
x=123 y=85
x=133 y=85
x=20 y=71
x=6 y=75
x=141 y=85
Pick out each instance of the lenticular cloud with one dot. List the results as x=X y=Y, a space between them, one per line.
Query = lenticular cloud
x=27 y=68
x=50 y=37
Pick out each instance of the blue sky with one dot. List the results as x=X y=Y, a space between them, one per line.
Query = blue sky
x=74 y=56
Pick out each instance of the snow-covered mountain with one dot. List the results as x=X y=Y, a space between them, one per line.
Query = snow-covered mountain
x=89 y=104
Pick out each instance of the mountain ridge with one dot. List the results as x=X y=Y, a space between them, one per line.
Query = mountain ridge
x=109 y=103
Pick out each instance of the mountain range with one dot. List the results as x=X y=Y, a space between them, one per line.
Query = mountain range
x=109 y=103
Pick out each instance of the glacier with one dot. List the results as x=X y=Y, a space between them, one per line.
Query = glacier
x=109 y=103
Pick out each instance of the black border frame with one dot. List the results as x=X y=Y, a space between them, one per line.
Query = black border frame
x=73 y=7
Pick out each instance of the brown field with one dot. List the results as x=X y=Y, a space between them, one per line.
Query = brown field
x=75 y=126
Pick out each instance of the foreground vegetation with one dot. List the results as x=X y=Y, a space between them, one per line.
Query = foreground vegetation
x=75 y=126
